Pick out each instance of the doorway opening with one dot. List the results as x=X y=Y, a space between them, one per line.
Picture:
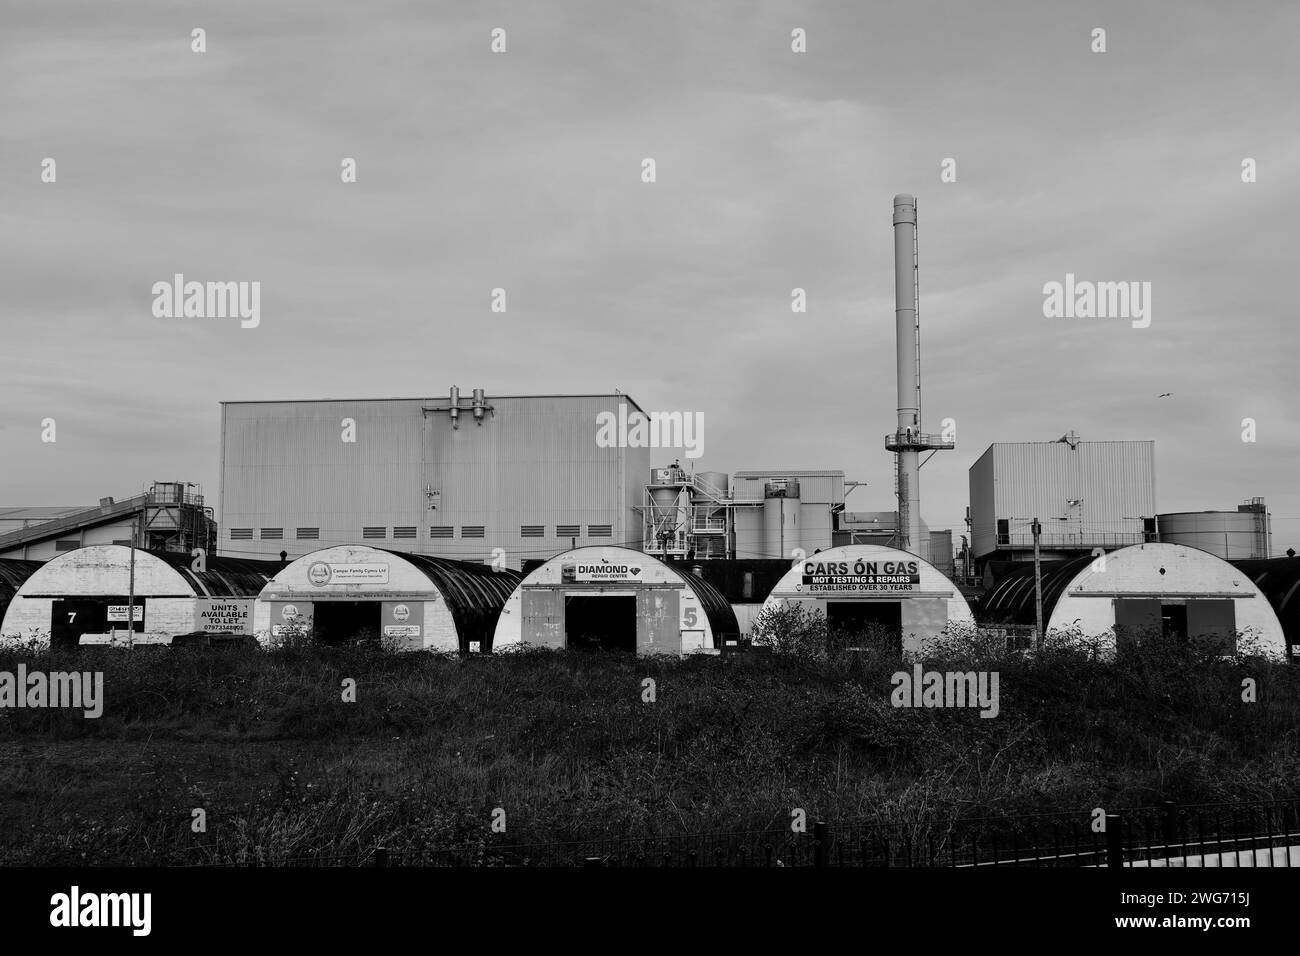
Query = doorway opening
x=600 y=622
x=340 y=622
x=874 y=624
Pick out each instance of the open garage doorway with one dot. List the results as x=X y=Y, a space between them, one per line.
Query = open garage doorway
x=338 y=622
x=874 y=624
x=600 y=622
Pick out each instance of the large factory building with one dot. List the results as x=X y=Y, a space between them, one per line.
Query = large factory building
x=451 y=477
x=1085 y=495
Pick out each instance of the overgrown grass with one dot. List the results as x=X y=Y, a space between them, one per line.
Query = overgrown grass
x=264 y=744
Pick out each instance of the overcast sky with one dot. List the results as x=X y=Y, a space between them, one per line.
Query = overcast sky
x=775 y=170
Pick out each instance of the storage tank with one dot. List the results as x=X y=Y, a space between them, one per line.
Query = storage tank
x=780 y=526
x=1231 y=535
x=666 y=517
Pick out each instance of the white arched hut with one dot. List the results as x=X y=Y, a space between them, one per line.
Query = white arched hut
x=616 y=599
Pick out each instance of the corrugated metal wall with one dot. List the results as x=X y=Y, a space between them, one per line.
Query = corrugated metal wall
x=1113 y=483
x=983 y=525
x=533 y=461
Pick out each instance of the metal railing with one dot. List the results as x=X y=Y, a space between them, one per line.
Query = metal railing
x=1247 y=834
x=1073 y=540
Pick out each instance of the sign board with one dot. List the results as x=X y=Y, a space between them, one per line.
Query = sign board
x=860 y=577
x=290 y=617
x=223 y=617
x=404 y=619
x=117 y=613
x=322 y=573
x=583 y=572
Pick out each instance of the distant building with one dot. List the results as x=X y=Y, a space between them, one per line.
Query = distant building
x=170 y=516
x=516 y=477
x=1086 y=495
x=881 y=528
x=752 y=515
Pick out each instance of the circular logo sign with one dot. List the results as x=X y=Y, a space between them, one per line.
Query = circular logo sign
x=401 y=612
x=289 y=612
x=319 y=574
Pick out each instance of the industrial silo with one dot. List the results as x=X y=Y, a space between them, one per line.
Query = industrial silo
x=710 y=526
x=780 y=519
x=1239 y=535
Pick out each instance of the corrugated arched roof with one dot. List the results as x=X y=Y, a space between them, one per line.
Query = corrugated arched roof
x=1011 y=599
x=475 y=593
x=13 y=572
x=224 y=577
x=727 y=575
x=722 y=619
x=1279 y=581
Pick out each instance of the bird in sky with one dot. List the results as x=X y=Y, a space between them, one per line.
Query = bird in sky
x=1164 y=394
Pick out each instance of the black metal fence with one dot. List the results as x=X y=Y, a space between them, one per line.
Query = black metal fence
x=1254 y=834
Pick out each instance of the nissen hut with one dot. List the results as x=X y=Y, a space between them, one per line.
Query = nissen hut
x=611 y=598
x=410 y=601
x=82 y=596
x=862 y=587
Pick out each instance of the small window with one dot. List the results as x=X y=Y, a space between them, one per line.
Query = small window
x=599 y=530
x=241 y=534
x=309 y=534
x=272 y=534
x=533 y=531
x=749 y=584
x=442 y=531
x=568 y=530
x=471 y=531
x=1004 y=531
x=404 y=531
x=66 y=545
x=374 y=532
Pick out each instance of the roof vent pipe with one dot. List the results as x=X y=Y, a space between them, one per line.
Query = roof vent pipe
x=455 y=406
x=479 y=404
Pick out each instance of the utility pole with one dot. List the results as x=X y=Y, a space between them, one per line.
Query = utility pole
x=1038 y=584
x=130 y=599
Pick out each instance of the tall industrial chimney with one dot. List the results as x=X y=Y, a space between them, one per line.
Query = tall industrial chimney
x=910 y=439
